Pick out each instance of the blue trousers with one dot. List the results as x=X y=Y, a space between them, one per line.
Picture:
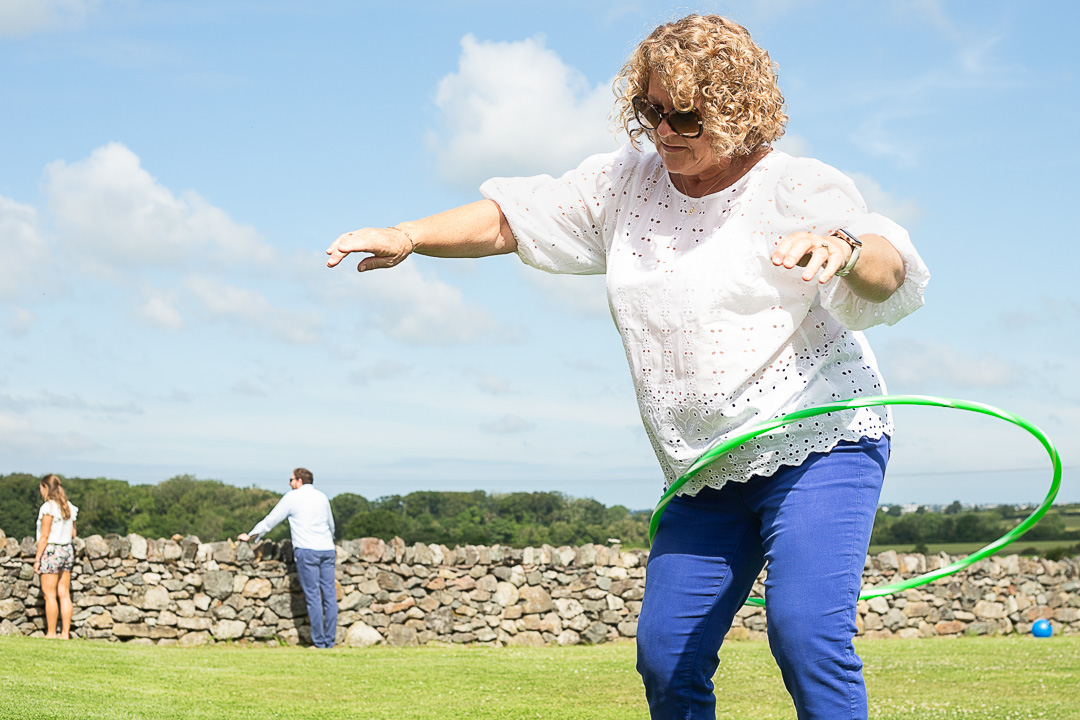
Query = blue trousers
x=315 y=568
x=812 y=525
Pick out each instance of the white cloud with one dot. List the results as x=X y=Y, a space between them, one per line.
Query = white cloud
x=113 y=213
x=24 y=254
x=515 y=108
x=582 y=295
x=407 y=305
x=963 y=61
x=19 y=439
x=252 y=309
x=19 y=321
x=904 y=211
x=159 y=309
x=507 y=425
x=493 y=384
x=66 y=401
x=927 y=364
x=379 y=371
x=794 y=145
x=248 y=387
x=876 y=136
x=24 y=17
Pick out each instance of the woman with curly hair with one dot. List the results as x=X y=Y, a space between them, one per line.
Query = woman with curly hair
x=739 y=278
x=55 y=556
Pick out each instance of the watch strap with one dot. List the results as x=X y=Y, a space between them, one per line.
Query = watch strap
x=856 y=247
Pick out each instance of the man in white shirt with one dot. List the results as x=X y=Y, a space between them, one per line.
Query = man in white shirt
x=312 y=526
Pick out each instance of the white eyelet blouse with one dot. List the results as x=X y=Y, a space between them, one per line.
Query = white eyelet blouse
x=718 y=338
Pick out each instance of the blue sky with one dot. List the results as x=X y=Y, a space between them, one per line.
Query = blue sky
x=171 y=173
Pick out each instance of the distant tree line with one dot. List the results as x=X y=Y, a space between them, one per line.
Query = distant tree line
x=476 y=518
x=213 y=510
x=957 y=525
x=208 y=509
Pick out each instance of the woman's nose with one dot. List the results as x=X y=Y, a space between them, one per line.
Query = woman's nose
x=664 y=128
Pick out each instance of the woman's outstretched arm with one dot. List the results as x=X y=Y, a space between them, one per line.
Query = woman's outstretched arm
x=475 y=230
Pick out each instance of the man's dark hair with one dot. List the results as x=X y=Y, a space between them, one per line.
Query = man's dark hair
x=303 y=475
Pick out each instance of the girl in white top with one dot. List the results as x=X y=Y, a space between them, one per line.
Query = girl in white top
x=55 y=556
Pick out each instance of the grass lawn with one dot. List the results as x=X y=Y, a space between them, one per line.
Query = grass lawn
x=984 y=677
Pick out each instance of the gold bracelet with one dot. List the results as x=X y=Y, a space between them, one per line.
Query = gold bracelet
x=412 y=243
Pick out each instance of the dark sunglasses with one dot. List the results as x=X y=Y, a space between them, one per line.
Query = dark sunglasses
x=687 y=124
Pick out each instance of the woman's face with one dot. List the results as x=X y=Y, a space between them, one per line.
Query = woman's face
x=44 y=492
x=681 y=155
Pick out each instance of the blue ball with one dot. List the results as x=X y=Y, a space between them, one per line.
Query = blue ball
x=1042 y=629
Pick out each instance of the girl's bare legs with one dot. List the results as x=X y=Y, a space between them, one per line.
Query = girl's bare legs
x=48 y=589
x=63 y=593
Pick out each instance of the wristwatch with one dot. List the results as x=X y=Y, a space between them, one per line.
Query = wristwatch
x=856 y=246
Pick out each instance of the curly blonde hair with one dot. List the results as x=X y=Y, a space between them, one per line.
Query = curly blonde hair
x=710 y=57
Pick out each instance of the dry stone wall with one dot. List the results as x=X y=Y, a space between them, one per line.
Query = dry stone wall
x=182 y=591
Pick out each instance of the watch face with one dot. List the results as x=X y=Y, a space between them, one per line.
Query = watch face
x=847 y=237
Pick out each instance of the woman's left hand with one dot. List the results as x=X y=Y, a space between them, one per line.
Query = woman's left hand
x=814 y=252
x=37 y=567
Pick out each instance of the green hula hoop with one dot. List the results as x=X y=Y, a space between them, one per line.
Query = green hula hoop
x=767 y=427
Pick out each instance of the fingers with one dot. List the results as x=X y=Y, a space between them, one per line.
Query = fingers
x=386 y=247
x=813 y=252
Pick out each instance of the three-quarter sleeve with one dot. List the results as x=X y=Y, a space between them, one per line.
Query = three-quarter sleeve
x=562 y=225
x=822 y=199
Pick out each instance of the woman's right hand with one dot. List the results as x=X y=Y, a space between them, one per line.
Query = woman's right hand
x=387 y=247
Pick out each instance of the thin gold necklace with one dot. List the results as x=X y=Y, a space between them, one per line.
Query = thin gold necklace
x=693 y=208
x=751 y=160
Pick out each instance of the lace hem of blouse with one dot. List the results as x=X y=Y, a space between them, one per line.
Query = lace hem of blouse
x=762 y=457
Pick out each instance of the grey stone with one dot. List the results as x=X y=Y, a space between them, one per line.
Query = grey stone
x=389 y=582
x=595 y=634
x=529 y=638
x=126 y=614
x=138 y=546
x=218 y=583
x=193 y=639
x=96 y=547
x=360 y=634
x=143 y=630
x=440 y=621
x=257 y=588
x=287 y=605
x=245 y=553
x=189 y=548
x=537 y=600
x=401 y=636
x=171 y=550
x=569 y=637
x=228 y=629
x=224 y=612
x=118 y=546
x=586 y=557
x=194 y=623
x=506 y=594
x=151 y=597
x=224 y=552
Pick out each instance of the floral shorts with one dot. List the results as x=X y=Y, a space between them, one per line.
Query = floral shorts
x=57 y=559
